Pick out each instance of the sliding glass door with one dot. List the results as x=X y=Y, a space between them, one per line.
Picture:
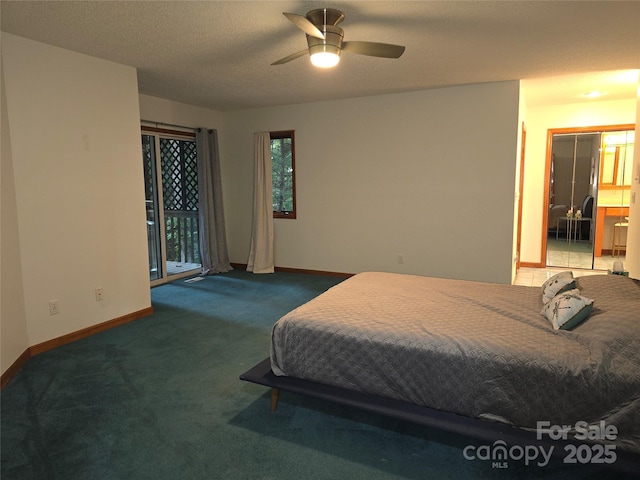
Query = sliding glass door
x=171 y=197
x=156 y=263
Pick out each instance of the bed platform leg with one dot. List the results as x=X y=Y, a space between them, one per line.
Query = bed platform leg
x=274 y=398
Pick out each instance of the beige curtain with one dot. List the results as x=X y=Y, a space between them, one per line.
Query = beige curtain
x=261 y=251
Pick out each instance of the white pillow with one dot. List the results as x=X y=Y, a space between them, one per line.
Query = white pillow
x=560 y=282
x=567 y=310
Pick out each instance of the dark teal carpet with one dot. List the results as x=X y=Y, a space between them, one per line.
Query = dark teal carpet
x=160 y=398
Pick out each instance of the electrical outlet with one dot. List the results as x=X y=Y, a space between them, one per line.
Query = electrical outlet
x=400 y=258
x=54 y=308
x=99 y=294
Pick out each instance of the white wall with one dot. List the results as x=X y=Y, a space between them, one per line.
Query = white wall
x=429 y=175
x=539 y=120
x=74 y=132
x=175 y=113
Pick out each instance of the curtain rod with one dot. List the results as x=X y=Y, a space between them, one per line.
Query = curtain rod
x=168 y=125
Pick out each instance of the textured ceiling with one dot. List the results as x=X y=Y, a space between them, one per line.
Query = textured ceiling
x=217 y=54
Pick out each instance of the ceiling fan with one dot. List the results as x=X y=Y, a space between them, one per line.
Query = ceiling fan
x=324 y=39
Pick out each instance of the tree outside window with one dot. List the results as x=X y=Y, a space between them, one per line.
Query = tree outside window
x=283 y=174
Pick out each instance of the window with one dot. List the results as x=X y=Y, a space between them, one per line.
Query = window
x=283 y=174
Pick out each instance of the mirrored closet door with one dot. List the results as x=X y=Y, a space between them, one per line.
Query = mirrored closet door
x=572 y=199
x=589 y=183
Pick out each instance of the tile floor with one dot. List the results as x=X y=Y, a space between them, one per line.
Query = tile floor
x=535 y=277
x=577 y=255
x=577 y=258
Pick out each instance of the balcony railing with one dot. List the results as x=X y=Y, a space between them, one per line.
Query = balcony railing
x=181 y=236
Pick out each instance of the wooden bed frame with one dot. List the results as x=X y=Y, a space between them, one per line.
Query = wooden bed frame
x=479 y=429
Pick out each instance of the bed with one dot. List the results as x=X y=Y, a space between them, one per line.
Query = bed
x=468 y=356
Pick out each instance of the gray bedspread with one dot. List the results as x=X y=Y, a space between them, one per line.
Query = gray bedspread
x=476 y=349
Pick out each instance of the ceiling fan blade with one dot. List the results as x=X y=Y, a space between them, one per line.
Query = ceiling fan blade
x=305 y=25
x=293 y=56
x=374 y=49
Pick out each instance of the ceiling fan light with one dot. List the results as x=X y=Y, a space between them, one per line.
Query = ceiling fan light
x=593 y=94
x=325 y=59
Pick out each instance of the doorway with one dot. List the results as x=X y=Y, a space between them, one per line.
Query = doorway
x=580 y=196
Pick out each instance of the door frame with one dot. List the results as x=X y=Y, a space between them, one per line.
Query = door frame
x=523 y=142
x=157 y=134
x=547 y=172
